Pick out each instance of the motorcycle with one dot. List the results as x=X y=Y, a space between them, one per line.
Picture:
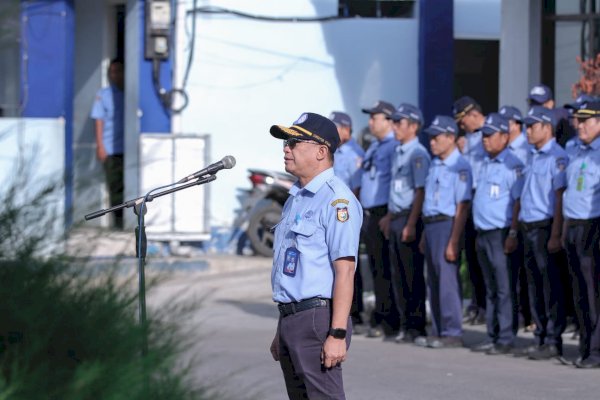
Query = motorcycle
x=260 y=210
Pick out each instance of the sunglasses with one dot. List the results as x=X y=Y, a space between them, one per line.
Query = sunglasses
x=291 y=143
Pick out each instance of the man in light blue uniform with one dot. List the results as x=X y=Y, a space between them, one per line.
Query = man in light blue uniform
x=349 y=155
x=518 y=146
x=448 y=191
x=541 y=220
x=374 y=195
x=581 y=207
x=495 y=212
x=573 y=144
x=108 y=111
x=469 y=117
x=347 y=165
x=402 y=224
x=314 y=258
x=541 y=95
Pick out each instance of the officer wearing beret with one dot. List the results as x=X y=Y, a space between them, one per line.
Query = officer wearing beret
x=402 y=224
x=346 y=166
x=541 y=220
x=581 y=207
x=469 y=117
x=518 y=146
x=495 y=212
x=374 y=196
x=314 y=257
x=448 y=191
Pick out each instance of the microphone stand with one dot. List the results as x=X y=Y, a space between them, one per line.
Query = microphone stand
x=139 y=208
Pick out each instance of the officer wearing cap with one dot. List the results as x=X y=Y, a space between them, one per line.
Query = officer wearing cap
x=495 y=212
x=374 y=196
x=574 y=143
x=314 y=257
x=402 y=224
x=541 y=220
x=581 y=207
x=518 y=146
x=349 y=155
x=448 y=191
x=469 y=116
x=541 y=95
x=346 y=166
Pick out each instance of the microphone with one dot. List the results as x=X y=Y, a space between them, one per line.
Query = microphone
x=227 y=162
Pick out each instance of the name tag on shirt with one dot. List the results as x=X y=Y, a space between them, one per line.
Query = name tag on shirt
x=292 y=255
x=398 y=185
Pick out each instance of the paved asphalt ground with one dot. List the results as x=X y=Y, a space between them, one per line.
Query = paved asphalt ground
x=235 y=323
x=233 y=326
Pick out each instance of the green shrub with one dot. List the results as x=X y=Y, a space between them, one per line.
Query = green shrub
x=69 y=331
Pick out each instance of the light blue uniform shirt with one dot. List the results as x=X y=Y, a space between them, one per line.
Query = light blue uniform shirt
x=500 y=185
x=376 y=172
x=521 y=148
x=448 y=183
x=581 y=199
x=347 y=162
x=474 y=153
x=108 y=106
x=321 y=220
x=409 y=171
x=545 y=175
x=572 y=146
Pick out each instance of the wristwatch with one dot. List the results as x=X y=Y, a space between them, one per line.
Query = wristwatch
x=337 y=333
x=512 y=233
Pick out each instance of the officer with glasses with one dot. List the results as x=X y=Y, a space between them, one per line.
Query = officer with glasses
x=314 y=258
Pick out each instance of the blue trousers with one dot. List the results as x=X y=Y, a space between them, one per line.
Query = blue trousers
x=499 y=311
x=442 y=281
x=584 y=265
x=545 y=289
x=408 y=277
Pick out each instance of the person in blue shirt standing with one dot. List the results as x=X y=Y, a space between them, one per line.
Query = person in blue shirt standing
x=469 y=117
x=581 y=207
x=374 y=195
x=448 y=193
x=347 y=164
x=108 y=112
x=541 y=95
x=541 y=219
x=402 y=224
x=518 y=146
x=495 y=212
x=314 y=258
x=349 y=155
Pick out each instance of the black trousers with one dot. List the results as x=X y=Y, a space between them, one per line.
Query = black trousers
x=478 y=297
x=408 y=277
x=113 y=170
x=386 y=312
x=545 y=288
x=584 y=265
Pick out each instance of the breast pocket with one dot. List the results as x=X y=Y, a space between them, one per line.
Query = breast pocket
x=304 y=233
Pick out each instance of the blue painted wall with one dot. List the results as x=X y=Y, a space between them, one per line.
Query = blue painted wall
x=47 y=72
x=154 y=116
x=436 y=57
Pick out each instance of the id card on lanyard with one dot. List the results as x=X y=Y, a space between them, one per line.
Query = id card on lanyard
x=291 y=259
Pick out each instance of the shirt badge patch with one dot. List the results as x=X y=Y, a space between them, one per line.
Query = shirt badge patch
x=308 y=214
x=519 y=171
x=338 y=201
x=418 y=162
x=462 y=175
x=561 y=164
x=342 y=214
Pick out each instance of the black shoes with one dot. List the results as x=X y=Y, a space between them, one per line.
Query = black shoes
x=544 y=352
x=499 y=349
x=586 y=363
x=482 y=347
x=445 y=342
x=375 y=332
x=524 y=351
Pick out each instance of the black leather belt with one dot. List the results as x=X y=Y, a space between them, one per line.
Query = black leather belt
x=403 y=213
x=286 y=309
x=579 y=222
x=436 y=218
x=378 y=211
x=528 y=226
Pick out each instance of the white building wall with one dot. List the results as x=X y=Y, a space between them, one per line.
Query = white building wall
x=248 y=75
